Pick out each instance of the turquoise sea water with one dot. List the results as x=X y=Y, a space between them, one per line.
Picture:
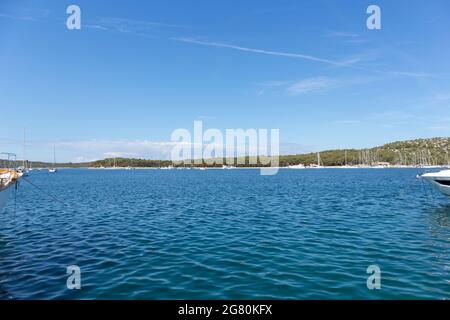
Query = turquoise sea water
x=226 y=234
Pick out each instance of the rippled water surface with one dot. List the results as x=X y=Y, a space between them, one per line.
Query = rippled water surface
x=226 y=234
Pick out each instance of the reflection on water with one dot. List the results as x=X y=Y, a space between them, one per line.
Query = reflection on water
x=441 y=216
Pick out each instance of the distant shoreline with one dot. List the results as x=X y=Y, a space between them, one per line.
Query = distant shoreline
x=419 y=153
x=246 y=167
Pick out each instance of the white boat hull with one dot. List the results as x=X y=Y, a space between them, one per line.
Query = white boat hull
x=297 y=167
x=439 y=180
x=444 y=189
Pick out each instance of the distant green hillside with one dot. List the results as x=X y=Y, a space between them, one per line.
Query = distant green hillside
x=126 y=162
x=120 y=162
x=433 y=151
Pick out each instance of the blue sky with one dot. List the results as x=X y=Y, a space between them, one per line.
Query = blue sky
x=138 y=70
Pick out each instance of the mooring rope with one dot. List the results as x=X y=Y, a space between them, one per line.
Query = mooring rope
x=16 y=186
x=45 y=192
x=429 y=192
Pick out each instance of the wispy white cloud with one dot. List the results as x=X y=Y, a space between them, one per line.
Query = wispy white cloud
x=135 y=25
x=81 y=159
x=147 y=29
x=316 y=84
x=260 y=51
x=343 y=34
x=351 y=61
x=409 y=74
x=356 y=41
x=131 y=26
x=274 y=83
x=311 y=85
x=98 y=149
x=150 y=29
x=347 y=37
x=444 y=128
x=348 y=122
x=90 y=150
x=121 y=154
x=348 y=62
x=26 y=15
x=16 y=17
x=95 y=26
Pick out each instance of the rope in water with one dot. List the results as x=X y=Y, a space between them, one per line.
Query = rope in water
x=16 y=186
x=45 y=192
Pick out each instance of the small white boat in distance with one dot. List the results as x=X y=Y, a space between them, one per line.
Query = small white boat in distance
x=225 y=167
x=23 y=171
x=439 y=180
x=298 y=166
x=52 y=170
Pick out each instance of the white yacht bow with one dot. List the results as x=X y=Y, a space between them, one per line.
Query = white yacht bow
x=439 y=180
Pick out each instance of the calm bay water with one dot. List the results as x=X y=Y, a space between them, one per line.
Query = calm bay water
x=226 y=234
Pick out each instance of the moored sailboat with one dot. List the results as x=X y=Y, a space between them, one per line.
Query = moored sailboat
x=8 y=178
x=319 y=163
x=23 y=169
x=53 y=168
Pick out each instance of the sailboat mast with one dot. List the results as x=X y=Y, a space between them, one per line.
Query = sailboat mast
x=24 y=149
